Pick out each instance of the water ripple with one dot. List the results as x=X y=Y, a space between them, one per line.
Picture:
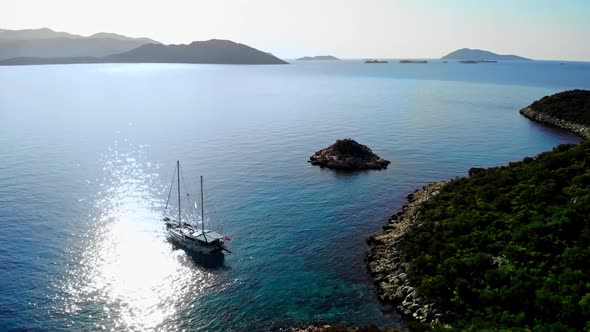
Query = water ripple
x=123 y=274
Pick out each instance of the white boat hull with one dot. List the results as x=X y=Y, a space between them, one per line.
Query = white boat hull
x=192 y=244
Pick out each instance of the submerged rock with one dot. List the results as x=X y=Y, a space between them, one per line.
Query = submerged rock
x=347 y=154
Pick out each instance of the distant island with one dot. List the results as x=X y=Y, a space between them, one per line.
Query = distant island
x=568 y=110
x=214 y=51
x=318 y=57
x=348 y=154
x=413 y=61
x=474 y=54
x=375 y=61
x=48 y=43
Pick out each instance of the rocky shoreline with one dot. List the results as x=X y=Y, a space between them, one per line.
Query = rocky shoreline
x=386 y=264
x=385 y=261
x=578 y=129
x=339 y=328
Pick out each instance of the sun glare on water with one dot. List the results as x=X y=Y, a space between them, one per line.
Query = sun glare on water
x=125 y=274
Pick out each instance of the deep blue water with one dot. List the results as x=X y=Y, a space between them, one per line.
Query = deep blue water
x=87 y=153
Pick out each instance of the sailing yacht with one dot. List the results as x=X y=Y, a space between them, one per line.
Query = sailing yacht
x=195 y=239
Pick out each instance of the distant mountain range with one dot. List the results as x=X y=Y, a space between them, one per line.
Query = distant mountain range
x=48 y=43
x=45 y=46
x=29 y=34
x=213 y=51
x=318 y=57
x=473 y=54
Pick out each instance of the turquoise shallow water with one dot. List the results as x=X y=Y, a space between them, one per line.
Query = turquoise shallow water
x=87 y=153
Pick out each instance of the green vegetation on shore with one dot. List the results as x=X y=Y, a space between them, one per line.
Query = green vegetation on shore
x=509 y=247
x=572 y=105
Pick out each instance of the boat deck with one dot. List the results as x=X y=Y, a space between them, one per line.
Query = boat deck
x=206 y=236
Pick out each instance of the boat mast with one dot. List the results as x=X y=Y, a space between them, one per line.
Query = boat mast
x=202 y=209
x=178 y=169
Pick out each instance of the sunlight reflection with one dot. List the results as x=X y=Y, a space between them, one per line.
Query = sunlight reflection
x=126 y=275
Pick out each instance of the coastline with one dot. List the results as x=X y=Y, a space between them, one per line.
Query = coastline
x=386 y=265
x=578 y=129
x=339 y=328
x=385 y=262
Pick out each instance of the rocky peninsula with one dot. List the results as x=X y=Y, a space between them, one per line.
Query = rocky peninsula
x=446 y=256
x=349 y=155
x=483 y=252
x=569 y=110
x=386 y=264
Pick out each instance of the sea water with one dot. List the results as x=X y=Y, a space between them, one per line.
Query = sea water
x=87 y=153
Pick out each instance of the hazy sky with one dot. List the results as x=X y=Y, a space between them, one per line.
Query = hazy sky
x=541 y=29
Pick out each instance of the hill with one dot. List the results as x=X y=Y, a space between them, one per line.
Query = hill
x=213 y=51
x=573 y=106
x=568 y=110
x=474 y=54
x=31 y=34
x=48 y=43
x=121 y=37
x=65 y=47
x=509 y=247
x=318 y=57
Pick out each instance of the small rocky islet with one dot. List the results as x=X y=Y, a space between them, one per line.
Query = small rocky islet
x=349 y=155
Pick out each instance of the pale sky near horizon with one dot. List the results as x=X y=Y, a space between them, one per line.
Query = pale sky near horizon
x=542 y=29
